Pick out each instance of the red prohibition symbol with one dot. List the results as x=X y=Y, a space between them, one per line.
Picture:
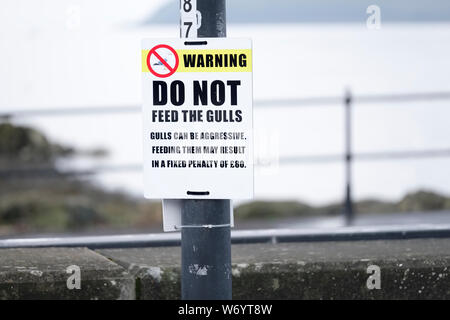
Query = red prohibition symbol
x=171 y=69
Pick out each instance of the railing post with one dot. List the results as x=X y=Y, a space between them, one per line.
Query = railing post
x=206 y=252
x=348 y=206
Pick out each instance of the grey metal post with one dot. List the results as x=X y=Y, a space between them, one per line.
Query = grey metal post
x=206 y=252
x=348 y=207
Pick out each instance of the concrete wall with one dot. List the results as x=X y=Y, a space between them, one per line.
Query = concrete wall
x=409 y=269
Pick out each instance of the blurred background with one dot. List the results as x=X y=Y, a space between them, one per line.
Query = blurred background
x=352 y=109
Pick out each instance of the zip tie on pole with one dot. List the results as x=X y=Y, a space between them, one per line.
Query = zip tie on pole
x=206 y=226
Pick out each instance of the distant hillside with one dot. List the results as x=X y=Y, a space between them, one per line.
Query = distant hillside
x=418 y=201
x=318 y=11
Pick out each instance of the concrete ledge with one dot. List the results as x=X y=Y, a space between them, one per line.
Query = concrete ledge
x=409 y=269
x=156 y=270
x=41 y=274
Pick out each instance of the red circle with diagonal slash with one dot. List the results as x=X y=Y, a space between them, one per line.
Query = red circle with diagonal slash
x=161 y=59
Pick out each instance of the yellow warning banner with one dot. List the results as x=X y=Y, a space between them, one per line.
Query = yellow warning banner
x=207 y=60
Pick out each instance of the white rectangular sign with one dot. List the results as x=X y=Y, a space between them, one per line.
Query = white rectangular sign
x=198 y=120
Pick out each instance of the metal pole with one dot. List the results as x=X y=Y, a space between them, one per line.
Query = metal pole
x=206 y=251
x=348 y=207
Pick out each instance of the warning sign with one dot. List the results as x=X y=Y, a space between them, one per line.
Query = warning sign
x=198 y=118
